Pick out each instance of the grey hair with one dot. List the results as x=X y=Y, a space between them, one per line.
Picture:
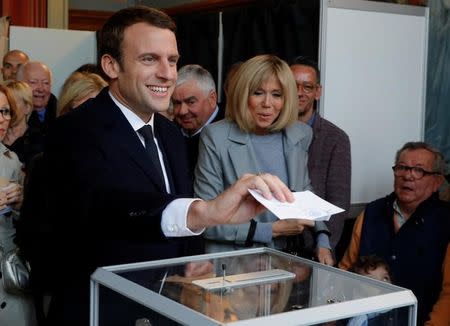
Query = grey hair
x=439 y=161
x=21 y=71
x=202 y=76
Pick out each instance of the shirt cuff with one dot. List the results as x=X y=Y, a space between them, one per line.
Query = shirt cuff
x=263 y=233
x=323 y=241
x=174 y=218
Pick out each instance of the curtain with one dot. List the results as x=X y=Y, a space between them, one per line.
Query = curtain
x=284 y=28
x=437 y=113
x=197 y=36
x=4 y=35
x=287 y=28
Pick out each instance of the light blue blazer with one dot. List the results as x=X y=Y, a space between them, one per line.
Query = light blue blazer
x=226 y=153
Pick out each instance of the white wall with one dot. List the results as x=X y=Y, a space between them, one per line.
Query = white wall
x=373 y=60
x=62 y=50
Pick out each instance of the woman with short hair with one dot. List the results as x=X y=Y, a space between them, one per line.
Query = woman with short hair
x=260 y=134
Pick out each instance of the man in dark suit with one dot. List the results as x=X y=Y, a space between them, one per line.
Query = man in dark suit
x=112 y=201
x=39 y=77
x=195 y=105
x=329 y=156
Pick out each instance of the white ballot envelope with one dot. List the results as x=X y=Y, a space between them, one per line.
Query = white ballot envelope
x=306 y=205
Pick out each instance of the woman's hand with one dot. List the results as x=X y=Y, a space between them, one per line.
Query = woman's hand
x=290 y=227
x=3 y=200
x=13 y=195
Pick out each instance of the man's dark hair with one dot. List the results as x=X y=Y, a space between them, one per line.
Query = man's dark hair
x=110 y=37
x=306 y=61
x=365 y=264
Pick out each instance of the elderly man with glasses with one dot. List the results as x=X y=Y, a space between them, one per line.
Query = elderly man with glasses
x=410 y=229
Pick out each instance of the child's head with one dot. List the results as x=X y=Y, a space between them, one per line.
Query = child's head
x=374 y=267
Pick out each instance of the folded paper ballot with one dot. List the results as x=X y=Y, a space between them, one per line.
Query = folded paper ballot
x=306 y=205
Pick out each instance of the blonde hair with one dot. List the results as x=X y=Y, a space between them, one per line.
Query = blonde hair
x=21 y=91
x=76 y=87
x=248 y=78
x=16 y=114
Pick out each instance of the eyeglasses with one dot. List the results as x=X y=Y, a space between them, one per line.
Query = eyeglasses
x=6 y=113
x=417 y=172
x=307 y=87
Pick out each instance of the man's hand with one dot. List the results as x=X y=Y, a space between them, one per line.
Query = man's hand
x=290 y=227
x=197 y=269
x=236 y=205
x=325 y=256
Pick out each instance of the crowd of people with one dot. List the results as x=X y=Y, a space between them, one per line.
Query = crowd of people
x=135 y=160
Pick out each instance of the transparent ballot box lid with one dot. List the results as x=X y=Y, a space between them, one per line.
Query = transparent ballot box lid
x=258 y=286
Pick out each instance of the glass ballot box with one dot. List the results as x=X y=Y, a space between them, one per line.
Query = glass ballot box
x=258 y=286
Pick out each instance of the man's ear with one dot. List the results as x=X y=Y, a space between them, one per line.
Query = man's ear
x=110 y=66
x=439 y=180
x=212 y=98
x=318 y=92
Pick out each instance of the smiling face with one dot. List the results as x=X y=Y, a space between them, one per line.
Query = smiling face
x=4 y=124
x=38 y=76
x=308 y=90
x=145 y=79
x=265 y=104
x=409 y=190
x=192 y=106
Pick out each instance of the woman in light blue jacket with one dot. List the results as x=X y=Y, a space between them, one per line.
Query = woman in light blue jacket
x=260 y=134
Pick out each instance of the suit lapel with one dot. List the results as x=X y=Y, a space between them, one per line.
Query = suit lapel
x=166 y=146
x=241 y=152
x=118 y=132
x=291 y=138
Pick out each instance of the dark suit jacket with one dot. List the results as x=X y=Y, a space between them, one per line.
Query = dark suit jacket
x=193 y=142
x=32 y=142
x=329 y=165
x=107 y=202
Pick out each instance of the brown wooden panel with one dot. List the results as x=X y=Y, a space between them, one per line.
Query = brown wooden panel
x=30 y=13
x=87 y=20
x=207 y=6
x=90 y=20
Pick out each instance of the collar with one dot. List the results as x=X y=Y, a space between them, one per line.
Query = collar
x=311 y=120
x=401 y=219
x=41 y=114
x=211 y=118
x=431 y=201
x=3 y=149
x=132 y=118
x=293 y=133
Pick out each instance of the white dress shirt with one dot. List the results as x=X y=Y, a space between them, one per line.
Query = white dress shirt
x=174 y=216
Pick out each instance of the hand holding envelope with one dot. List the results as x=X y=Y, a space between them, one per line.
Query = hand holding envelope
x=306 y=206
